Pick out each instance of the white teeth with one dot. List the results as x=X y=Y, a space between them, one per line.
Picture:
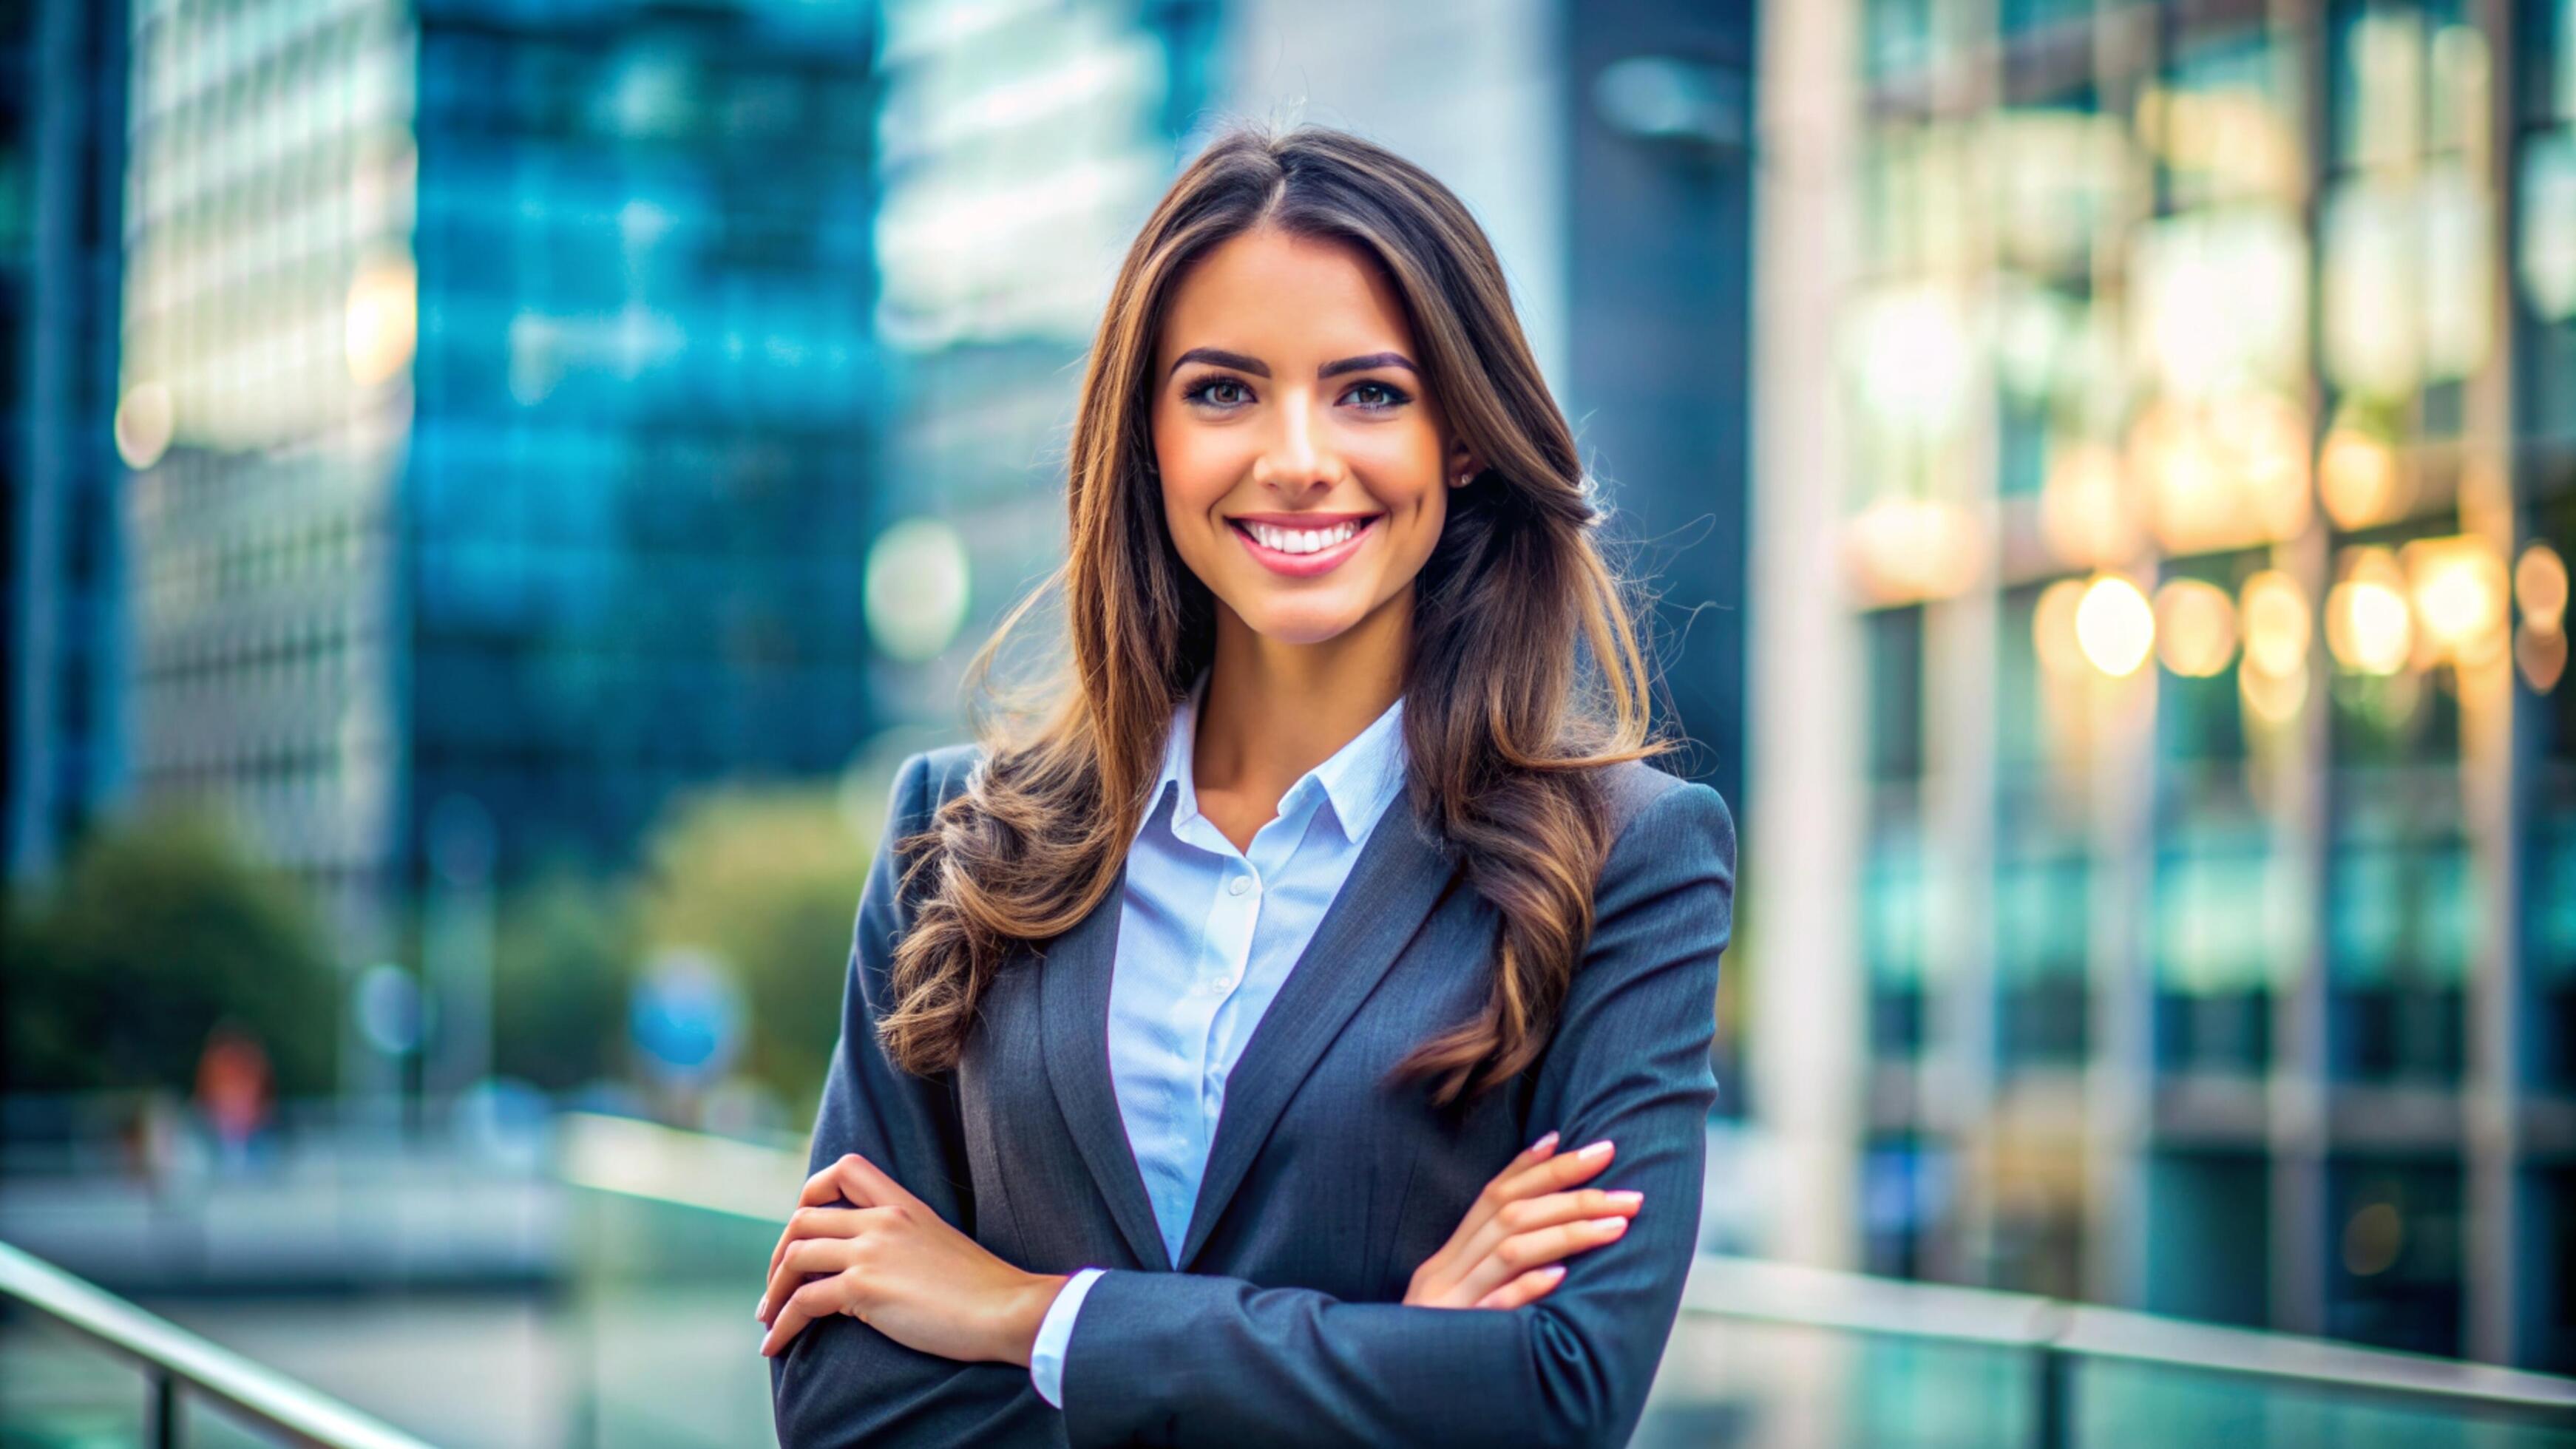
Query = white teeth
x=1301 y=540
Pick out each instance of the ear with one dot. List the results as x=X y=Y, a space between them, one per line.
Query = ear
x=1463 y=466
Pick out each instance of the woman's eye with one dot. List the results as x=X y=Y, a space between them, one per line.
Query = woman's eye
x=1199 y=392
x=1207 y=389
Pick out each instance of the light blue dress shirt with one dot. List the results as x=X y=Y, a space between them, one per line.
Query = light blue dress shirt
x=1207 y=935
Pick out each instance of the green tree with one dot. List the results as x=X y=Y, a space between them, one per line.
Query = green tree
x=560 y=974
x=158 y=928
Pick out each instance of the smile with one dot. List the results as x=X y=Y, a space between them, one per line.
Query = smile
x=1303 y=552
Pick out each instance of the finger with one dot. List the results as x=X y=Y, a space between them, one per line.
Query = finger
x=1552 y=1210
x=1527 y=1288
x=820 y=1298
x=804 y=1259
x=1560 y=1171
x=814 y=1222
x=1495 y=1194
x=1521 y=1252
x=848 y=1177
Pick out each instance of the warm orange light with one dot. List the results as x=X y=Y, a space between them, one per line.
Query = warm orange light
x=2084 y=507
x=2457 y=587
x=2273 y=698
x=2262 y=442
x=2223 y=474
x=383 y=319
x=1914 y=548
x=2114 y=626
x=2195 y=627
x=2277 y=624
x=2540 y=586
x=2542 y=657
x=2368 y=626
x=2052 y=627
x=2357 y=478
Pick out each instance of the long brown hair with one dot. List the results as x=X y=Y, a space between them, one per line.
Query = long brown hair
x=1525 y=674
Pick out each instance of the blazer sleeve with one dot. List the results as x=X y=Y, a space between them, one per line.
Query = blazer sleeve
x=1186 y=1359
x=842 y=1382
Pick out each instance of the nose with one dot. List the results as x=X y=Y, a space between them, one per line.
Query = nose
x=1298 y=464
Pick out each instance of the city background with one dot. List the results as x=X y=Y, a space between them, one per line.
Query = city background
x=495 y=486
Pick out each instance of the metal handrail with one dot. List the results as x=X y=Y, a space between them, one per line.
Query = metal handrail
x=2060 y=1335
x=173 y=1360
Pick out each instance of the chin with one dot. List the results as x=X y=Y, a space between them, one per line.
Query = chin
x=1301 y=624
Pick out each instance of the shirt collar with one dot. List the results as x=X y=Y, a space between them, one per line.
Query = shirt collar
x=1361 y=778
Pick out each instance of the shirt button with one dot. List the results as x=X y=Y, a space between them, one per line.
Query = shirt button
x=1238 y=885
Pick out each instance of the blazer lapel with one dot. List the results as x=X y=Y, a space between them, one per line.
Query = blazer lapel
x=1073 y=992
x=1392 y=887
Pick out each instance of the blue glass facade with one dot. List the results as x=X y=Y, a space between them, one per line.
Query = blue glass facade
x=643 y=446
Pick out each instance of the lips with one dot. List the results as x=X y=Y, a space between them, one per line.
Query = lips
x=1304 y=565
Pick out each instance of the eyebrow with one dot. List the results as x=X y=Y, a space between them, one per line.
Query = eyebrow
x=1219 y=357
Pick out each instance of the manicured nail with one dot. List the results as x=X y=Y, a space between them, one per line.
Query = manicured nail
x=1596 y=1151
x=1626 y=1199
x=1611 y=1227
x=1543 y=1143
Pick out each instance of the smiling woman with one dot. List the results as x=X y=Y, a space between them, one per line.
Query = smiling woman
x=1197 y=1015
x=1300 y=450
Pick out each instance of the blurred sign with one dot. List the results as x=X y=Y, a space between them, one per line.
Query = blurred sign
x=686 y=1017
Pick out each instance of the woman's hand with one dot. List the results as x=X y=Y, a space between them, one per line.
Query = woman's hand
x=1508 y=1249
x=893 y=1263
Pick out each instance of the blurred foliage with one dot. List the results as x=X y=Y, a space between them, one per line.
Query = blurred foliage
x=156 y=929
x=163 y=925
x=560 y=973
x=766 y=879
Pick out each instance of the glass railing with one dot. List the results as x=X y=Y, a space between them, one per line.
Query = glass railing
x=674 y=1232
x=80 y=1366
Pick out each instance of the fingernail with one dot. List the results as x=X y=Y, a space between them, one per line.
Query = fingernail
x=1554 y=1273
x=1597 y=1149
x=1626 y=1199
x=1612 y=1226
x=1543 y=1143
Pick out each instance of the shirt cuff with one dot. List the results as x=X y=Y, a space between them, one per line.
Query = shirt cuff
x=1046 y=1356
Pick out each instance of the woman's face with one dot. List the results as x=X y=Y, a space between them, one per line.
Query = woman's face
x=1305 y=467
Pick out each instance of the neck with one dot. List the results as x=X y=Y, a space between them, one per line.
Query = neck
x=1274 y=710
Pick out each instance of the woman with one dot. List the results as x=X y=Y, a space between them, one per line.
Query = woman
x=1339 y=823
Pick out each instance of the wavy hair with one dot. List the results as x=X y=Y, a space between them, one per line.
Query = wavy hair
x=1525 y=675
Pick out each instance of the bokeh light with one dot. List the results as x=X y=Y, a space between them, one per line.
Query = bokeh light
x=383 y=319
x=2115 y=625
x=2276 y=623
x=2368 y=626
x=2195 y=627
x=2540 y=587
x=917 y=588
x=2458 y=591
x=144 y=420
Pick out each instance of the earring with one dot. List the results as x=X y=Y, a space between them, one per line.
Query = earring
x=1464 y=479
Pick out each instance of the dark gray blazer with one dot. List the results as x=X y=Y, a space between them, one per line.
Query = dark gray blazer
x=1283 y=1323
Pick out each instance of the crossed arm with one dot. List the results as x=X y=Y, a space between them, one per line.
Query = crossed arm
x=1163 y=1358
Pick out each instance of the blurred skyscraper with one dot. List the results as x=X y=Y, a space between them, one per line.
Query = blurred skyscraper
x=498 y=385
x=62 y=174
x=1021 y=145
x=2166 y=888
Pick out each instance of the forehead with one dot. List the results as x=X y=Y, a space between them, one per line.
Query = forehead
x=1283 y=298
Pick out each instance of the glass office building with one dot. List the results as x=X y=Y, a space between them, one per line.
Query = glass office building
x=62 y=172
x=2194 y=418
x=496 y=379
